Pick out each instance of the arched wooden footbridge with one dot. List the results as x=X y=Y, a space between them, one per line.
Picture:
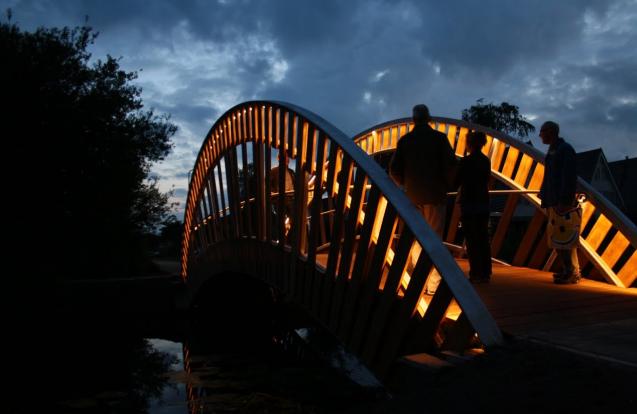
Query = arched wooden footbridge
x=356 y=254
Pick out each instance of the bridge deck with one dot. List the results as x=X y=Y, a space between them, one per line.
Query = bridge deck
x=591 y=317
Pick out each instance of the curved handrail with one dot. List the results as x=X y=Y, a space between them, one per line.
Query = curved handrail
x=307 y=137
x=523 y=168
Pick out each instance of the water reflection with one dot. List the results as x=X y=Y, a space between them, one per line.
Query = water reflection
x=110 y=373
x=248 y=353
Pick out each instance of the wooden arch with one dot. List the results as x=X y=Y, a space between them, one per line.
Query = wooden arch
x=608 y=241
x=360 y=259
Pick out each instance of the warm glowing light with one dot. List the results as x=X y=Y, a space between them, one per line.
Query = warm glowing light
x=404 y=282
x=422 y=306
x=382 y=205
x=389 y=259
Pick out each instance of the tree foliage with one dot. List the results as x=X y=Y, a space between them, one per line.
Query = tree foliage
x=504 y=117
x=84 y=145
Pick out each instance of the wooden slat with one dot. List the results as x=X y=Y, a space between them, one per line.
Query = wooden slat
x=423 y=339
x=213 y=206
x=331 y=177
x=233 y=197
x=405 y=313
x=497 y=154
x=388 y=297
x=615 y=249
x=462 y=142
x=292 y=131
x=349 y=235
x=394 y=137
x=503 y=224
x=237 y=145
x=536 y=179
x=316 y=204
x=529 y=237
x=510 y=161
x=259 y=165
x=223 y=201
x=598 y=232
x=247 y=207
x=268 y=192
x=451 y=135
x=486 y=150
x=628 y=272
x=523 y=170
x=204 y=204
x=587 y=212
x=299 y=234
x=359 y=274
x=370 y=287
x=344 y=180
x=351 y=223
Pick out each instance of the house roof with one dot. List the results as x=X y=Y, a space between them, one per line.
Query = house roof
x=587 y=162
x=625 y=175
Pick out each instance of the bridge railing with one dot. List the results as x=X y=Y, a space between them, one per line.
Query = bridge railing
x=357 y=254
x=608 y=240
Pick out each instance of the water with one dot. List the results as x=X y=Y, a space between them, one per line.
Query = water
x=173 y=398
x=248 y=353
x=288 y=377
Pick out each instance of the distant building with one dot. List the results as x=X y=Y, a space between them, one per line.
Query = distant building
x=594 y=169
x=625 y=175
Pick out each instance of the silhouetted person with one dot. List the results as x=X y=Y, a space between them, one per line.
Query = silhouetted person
x=558 y=196
x=424 y=165
x=473 y=176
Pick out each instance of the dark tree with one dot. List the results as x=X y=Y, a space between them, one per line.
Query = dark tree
x=83 y=145
x=504 y=117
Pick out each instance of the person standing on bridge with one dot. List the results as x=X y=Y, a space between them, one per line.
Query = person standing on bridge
x=288 y=206
x=559 y=197
x=473 y=177
x=424 y=164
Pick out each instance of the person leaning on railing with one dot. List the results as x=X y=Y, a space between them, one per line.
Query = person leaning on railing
x=474 y=172
x=424 y=164
x=559 y=197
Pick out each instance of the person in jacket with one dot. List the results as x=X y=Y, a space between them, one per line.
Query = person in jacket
x=473 y=176
x=424 y=165
x=559 y=197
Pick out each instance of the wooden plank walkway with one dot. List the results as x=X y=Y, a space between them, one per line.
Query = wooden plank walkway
x=591 y=317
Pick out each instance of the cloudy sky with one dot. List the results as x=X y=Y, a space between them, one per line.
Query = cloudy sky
x=358 y=63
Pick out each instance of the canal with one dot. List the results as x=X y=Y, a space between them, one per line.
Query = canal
x=252 y=352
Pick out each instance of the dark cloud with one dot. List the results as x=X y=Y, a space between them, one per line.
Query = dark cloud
x=357 y=63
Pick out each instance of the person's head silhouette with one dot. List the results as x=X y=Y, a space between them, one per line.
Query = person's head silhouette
x=420 y=114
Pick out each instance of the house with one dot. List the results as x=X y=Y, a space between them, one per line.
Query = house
x=593 y=167
x=625 y=175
